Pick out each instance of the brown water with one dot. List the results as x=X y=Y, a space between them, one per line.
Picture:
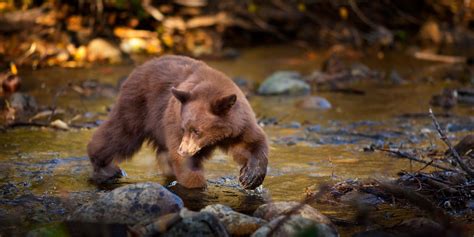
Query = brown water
x=53 y=163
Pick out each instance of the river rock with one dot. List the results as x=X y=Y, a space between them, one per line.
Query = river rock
x=296 y=226
x=273 y=210
x=102 y=50
x=129 y=205
x=202 y=224
x=23 y=102
x=284 y=83
x=235 y=223
x=314 y=102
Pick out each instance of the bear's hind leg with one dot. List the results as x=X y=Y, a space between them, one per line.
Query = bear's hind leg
x=110 y=145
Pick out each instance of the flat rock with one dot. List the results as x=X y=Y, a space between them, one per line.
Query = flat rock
x=235 y=223
x=129 y=205
x=273 y=210
x=296 y=226
x=284 y=83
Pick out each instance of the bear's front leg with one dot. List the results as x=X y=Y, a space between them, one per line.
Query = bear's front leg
x=188 y=171
x=254 y=161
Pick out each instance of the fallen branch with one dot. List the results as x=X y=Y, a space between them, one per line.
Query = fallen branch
x=412 y=158
x=439 y=58
x=445 y=139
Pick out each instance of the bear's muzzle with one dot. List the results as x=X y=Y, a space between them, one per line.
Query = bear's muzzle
x=188 y=147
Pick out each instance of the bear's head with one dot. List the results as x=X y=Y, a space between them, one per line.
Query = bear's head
x=204 y=120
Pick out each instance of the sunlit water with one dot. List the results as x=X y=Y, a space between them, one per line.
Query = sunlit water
x=45 y=162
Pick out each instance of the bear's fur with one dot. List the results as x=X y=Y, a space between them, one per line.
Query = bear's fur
x=185 y=109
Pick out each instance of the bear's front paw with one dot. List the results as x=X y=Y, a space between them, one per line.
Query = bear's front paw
x=107 y=174
x=192 y=179
x=251 y=176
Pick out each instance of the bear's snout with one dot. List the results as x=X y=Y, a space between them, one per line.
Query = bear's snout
x=188 y=147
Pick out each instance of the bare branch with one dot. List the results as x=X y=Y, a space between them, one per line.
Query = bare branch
x=445 y=139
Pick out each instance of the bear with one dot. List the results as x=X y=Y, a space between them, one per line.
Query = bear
x=185 y=109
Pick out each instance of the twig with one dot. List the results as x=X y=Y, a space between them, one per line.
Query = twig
x=409 y=157
x=361 y=15
x=445 y=139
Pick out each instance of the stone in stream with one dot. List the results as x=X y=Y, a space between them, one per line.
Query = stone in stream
x=284 y=83
x=129 y=204
x=23 y=102
x=273 y=210
x=201 y=224
x=314 y=102
x=236 y=224
x=296 y=226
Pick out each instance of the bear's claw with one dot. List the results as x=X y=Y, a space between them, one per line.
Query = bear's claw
x=251 y=178
x=108 y=175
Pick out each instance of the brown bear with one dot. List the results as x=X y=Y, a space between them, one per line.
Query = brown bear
x=185 y=109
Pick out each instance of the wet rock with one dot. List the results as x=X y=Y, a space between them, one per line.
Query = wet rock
x=314 y=102
x=245 y=85
x=130 y=204
x=23 y=102
x=102 y=50
x=272 y=210
x=363 y=199
x=293 y=124
x=289 y=140
x=296 y=226
x=234 y=222
x=314 y=128
x=202 y=224
x=268 y=121
x=284 y=83
x=447 y=100
x=395 y=77
x=464 y=147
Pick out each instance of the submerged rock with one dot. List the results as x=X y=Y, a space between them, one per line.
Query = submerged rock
x=273 y=210
x=296 y=226
x=129 y=205
x=284 y=83
x=235 y=223
x=314 y=102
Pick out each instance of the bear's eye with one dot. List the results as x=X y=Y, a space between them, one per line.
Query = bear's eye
x=195 y=131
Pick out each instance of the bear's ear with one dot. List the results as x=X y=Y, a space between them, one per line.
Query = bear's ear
x=223 y=105
x=182 y=96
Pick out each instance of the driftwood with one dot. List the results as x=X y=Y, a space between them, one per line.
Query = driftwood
x=439 y=58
